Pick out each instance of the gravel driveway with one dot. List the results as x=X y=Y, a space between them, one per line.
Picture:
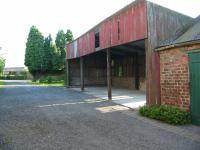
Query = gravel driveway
x=55 y=118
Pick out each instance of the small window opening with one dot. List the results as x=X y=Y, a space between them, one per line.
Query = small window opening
x=97 y=40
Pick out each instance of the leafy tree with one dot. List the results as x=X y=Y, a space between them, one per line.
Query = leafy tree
x=2 y=64
x=69 y=36
x=62 y=39
x=42 y=55
x=55 y=58
x=60 y=44
x=48 y=54
x=35 y=52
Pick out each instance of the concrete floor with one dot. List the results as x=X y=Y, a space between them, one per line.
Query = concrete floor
x=126 y=97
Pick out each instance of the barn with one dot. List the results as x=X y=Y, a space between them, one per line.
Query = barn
x=180 y=69
x=119 y=52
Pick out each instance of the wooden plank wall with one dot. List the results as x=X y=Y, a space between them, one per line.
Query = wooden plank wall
x=94 y=70
x=127 y=79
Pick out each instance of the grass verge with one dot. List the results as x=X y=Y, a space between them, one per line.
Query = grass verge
x=1 y=83
x=57 y=83
x=50 y=81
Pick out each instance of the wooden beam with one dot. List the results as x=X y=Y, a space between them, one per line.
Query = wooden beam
x=148 y=98
x=137 y=80
x=109 y=75
x=128 y=50
x=118 y=53
x=67 y=73
x=82 y=73
x=134 y=47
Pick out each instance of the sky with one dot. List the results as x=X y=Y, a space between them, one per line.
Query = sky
x=49 y=16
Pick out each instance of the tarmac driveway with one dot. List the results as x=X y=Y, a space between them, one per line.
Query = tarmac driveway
x=56 y=118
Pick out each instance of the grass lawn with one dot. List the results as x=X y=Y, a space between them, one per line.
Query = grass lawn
x=54 y=83
x=1 y=83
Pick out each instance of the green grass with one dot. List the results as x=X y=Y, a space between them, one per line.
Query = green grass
x=1 y=83
x=54 y=83
x=49 y=81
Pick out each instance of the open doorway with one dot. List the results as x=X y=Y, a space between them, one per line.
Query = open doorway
x=129 y=66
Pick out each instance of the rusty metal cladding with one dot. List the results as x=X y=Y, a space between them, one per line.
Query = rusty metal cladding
x=86 y=44
x=161 y=21
x=129 y=24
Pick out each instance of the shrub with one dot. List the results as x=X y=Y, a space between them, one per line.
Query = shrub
x=13 y=77
x=51 y=79
x=168 y=114
x=42 y=80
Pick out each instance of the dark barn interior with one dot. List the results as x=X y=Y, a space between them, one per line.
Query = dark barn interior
x=127 y=67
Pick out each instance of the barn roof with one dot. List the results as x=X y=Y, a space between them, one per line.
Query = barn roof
x=189 y=32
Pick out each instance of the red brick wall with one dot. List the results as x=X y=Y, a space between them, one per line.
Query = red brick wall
x=174 y=76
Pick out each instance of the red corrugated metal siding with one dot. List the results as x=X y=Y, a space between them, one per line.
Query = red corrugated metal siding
x=114 y=34
x=86 y=44
x=92 y=42
x=132 y=25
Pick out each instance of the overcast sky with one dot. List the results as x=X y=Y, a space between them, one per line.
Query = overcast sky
x=17 y=16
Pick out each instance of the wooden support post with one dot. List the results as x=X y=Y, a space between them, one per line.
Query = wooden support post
x=146 y=44
x=109 y=75
x=82 y=73
x=67 y=73
x=136 y=66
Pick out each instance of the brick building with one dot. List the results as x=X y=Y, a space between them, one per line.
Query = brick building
x=180 y=69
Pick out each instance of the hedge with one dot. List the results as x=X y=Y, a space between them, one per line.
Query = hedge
x=168 y=114
x=13 y=77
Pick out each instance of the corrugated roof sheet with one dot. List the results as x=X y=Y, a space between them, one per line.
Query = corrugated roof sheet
x=190 y=32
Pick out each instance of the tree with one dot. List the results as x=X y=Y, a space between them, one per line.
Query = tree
x=69 y=36
x=34 y=52
x=42 y=55
x=60 y=44
x=48 y=55
x=2 y=64
x=55 y=58
x=62 y=39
